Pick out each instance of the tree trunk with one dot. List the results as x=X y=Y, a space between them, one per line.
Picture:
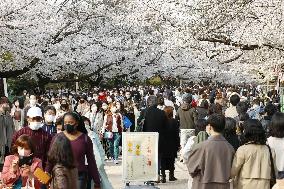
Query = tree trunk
x=2 y=90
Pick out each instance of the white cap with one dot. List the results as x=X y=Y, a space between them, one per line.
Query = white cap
x=34 y=112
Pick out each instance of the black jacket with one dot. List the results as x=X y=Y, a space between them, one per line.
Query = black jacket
x=170 y=140
x=155 y=119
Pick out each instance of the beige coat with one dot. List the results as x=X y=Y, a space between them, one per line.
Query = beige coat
x=251 y=167
x=279 y=184
x=209 y=163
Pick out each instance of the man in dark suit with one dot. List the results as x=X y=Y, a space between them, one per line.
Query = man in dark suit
x=155 y=121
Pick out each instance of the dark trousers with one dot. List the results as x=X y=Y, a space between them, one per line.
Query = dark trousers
x=82 y=180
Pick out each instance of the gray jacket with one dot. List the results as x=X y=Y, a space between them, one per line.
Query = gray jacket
x=187 y=116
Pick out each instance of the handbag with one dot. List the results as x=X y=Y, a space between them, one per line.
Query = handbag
x=126 y=122
x=108 y=135
x=273 y=176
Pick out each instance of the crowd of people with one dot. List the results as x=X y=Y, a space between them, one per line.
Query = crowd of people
x=223 y=134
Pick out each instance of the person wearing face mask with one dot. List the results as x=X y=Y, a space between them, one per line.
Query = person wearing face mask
x=96 y=117
x=64 y=108
x=17 y=113
x=32 y=103
x=129 y=106
x=49 y=120
x=19 y=167
x=109 y=99
x=83 y=106
x=74 y=129
x=35 y=131
x=112 y=129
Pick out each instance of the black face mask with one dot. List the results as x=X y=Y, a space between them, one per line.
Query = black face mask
x=65 y=106
x=69 y=128
x=82 y=101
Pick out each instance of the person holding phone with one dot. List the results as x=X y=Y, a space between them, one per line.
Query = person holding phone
x=19 y=167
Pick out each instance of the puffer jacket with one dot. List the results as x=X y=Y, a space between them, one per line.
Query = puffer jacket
x=64 y=178
x=187 y=116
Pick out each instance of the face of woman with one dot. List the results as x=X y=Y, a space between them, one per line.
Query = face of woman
x=118 y=106
x=70 y=124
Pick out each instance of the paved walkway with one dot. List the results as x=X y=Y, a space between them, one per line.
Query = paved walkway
x=115 y=175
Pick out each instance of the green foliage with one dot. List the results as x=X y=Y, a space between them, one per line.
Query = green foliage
x=16 y=86
x=7 y=56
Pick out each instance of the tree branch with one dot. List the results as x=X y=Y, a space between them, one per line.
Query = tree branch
x=15 y=73
x=227 y=41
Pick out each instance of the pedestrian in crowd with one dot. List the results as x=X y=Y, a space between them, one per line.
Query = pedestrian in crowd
x=20 y=165
x=83 y=106
x=112 y=129
x=17 y=113
x=209 y=163
x=64 y=173
x=200 y=135
x=49 y=120
x=7 y=128
x=276 y=141
x=270 y=110
x=230 y=132
x=40 y=138
x=129 y=106
x=202 y=109
x=33 y=102
x=82 y=147
x=187 y=116
x=58 y=124
x=252 y=162
x=170 y=142
x=161 y=103
x=232 y=110
x=96 y=117
x=255 y=111
x=64 y=108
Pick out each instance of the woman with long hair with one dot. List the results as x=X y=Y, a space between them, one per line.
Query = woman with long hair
x=276 y=141
x=82 y=146
x=64 y=173
x=252 y=165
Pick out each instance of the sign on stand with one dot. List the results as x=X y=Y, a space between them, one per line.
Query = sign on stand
x=140 y=156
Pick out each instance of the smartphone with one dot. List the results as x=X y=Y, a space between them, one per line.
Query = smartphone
x=25 y=160
x=42 y=176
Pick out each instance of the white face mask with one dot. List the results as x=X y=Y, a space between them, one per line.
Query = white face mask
x=35 y=125
x=49 y=118
x=56 y=106
x=23 y=152
x=32 y=102
x=94 y=109
x=109 y=100
x=113 y=110
x=104 y=107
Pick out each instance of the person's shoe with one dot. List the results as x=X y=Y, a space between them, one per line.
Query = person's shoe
x=163 y=179
x=172 y=177
x=116 y=162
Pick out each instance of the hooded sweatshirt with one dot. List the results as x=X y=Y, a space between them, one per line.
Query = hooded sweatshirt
x=187 y=116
